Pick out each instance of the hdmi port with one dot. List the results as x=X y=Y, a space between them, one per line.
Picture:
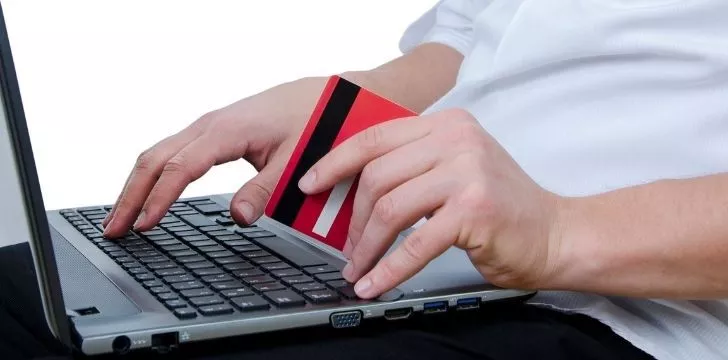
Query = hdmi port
x=398 y=314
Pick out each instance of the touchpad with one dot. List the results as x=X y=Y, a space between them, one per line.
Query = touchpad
x=86 y=291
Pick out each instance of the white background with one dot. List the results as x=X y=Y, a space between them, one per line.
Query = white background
x=103 y=80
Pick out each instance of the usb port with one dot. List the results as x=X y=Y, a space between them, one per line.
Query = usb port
x=435 y=307
x=468 y=304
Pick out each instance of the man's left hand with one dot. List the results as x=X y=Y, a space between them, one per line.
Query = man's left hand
x=446 y=167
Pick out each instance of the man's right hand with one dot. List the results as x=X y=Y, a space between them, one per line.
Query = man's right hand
x=262 y=129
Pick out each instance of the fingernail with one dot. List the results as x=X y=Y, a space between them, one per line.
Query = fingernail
x=363 y=286
x=139 y=220
x=348 y=271
x=307 y=181
x=247 y=210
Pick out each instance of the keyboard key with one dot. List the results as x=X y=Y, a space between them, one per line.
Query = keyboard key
x=196 y=292
x=217 y=233
x=137 y=270
x=255 y=254
x=161 y=265
x=216 y=310
x=229 y=260
x=189 y=232
x=236 y=292
x=153 y=259
x=322 y=296
x=96 y=216
x=145 y=247
x=329 y=276
x=156 y=238
x=125 y=259
x=154 y=232
x=217 y=278
x=187 y=285
x=212 y=248
x=199 y=265
x=265 y=260
x=175 y=303
x=178 y=278
x=211 y=228
x=152 y=283
x=168 y=242
x=172 y=225
x=185 y=313
x=168 y=220
x=207 y=271
x=248 y=272
x=197 y=220
x=180 y=229
x=250 y=303
x=220 y=254
x=193 y=238
x=117 y=253
x=210 y=209
x=297 y=280
x=170 y=272
x=226 y=213
x=242 y=265
x=84 y=227
x=130 y=265
x=178 y=253
x=285 y=273
x=313 y=270
x=269 y=287
x=167 y=296
x=259 y=234
x=245 y=248
x=225 y=221
x=203 y=243
x=229 y=237
x=344 y=288
x=238 y=243
x=258 y=279
x=147 y=253
x=309 y=287
x=292 y=253
x=190 y=259
x=175 y=247
x=186 y=212
x=285 y=298
x=206 y=300
x=275 y=266
x=200 y=202
x=159 y=290
x=144 y=276
x=227 y=285
x=245 y=230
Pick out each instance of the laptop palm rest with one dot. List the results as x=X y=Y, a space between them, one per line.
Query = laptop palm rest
x=86 y=291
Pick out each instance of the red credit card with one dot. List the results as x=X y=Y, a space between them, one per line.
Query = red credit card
x=343 y=110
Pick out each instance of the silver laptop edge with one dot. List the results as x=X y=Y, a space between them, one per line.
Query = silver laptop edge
x=73 y=273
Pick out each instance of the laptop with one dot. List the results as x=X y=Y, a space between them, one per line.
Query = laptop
x=197 y=275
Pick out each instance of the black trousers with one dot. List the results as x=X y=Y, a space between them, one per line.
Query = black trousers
x=498 y=331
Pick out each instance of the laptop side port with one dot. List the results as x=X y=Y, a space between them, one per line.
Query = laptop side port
x=398 y=314
x=435 y=307
x=165 y=342
x=468 y=304
x=346 y=319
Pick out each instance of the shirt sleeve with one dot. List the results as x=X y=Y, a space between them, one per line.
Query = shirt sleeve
x=449 y=22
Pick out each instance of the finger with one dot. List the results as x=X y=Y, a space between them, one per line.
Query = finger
x=384 y=174
x=249 y=202
x=142 y=178
x=412 y=255
x=394 y=212
x=348 y=158
x=188 y=165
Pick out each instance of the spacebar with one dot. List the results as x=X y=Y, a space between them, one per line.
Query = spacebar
x=292 y=253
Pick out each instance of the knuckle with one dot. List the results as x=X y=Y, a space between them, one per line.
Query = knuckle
x=146 y=160
x=384 y=210
x=370 y=139
x=176 y=166
x=260 y=190
x=412 y=248
x=475 y=197
x=387 y=269
x=368 y=179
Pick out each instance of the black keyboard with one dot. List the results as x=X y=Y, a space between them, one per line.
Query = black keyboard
x=194 y=265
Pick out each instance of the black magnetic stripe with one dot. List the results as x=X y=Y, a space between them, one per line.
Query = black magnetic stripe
x=321 y=141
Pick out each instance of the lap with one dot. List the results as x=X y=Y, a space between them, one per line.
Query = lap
x=498 y=331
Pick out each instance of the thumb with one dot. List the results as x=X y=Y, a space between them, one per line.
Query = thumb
x=249 y=202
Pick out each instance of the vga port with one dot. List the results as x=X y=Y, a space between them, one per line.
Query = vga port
x=346 y=319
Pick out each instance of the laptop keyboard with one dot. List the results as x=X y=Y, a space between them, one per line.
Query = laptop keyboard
x=197 y=266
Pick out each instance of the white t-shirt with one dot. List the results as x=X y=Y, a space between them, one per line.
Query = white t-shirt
x=595 y=95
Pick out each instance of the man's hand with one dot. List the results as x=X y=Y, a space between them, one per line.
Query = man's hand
x=445 y=166
x=257 y=129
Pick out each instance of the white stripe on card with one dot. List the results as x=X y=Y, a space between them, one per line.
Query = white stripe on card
x=332 y=207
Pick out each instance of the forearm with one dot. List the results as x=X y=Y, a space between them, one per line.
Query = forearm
x=416 y=79
x=668 y=239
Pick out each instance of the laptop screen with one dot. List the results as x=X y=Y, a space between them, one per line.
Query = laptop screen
x=22 y=214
